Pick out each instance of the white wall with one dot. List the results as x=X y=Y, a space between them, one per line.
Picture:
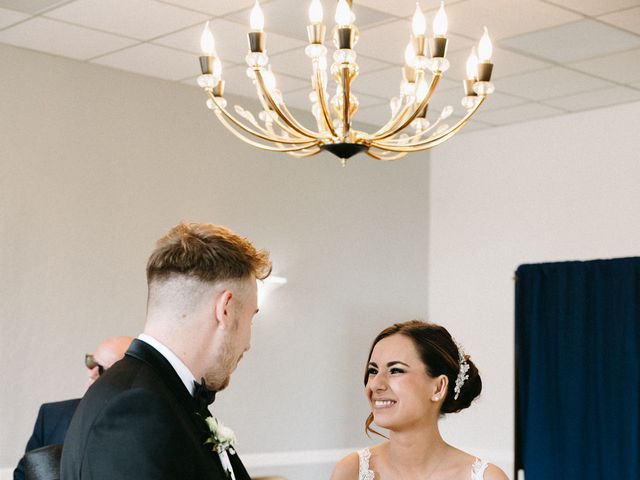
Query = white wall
x=565 y=188
x=96 y=164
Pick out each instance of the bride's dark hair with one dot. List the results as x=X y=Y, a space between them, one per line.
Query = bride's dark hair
x=439 y=353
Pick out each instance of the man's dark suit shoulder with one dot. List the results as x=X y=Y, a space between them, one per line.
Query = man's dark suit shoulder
x=50 y=428
x=138 y=422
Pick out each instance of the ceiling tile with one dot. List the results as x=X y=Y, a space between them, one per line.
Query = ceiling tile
x=29 y=6
x=400 y=8
x=290 y=18
x=386 y=42
x=153 y=61
x=372 y=116
x=595 y=99
x=215 y=8
x=505 y=63
x=627 y=19
x=453 y=98
x=231 y=41
x=505 y=18
x=9 y=17
x=595 y=7
x=522 y=113
x=549 y=83
x=474 y=125
x=386 y=83
x=579 y=40
x=62 y=39
x=621 y=67
x=498 y=100
x=300 y=99
x=495 y=101
x=296 y=63
x=141 y=19
x=237 y=82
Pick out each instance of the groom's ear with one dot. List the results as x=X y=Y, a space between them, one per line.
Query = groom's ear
x=222 y=308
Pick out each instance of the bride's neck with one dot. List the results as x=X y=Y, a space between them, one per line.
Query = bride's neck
x=416 y=447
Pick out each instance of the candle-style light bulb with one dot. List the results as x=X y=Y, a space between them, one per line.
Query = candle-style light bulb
x=419 y=22
x=440 y=22
x=410 y=54
x=217 y=67
x=485 y=49
x=207 y=43
x=256 y=21
x=270 y=80
x=315 y=12
x=344 y=15
x=472 y=65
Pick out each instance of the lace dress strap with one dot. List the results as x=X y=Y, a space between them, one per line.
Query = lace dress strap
x=478 y=468
x=363 y=470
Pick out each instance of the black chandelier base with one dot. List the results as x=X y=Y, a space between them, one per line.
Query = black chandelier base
x=344 y=150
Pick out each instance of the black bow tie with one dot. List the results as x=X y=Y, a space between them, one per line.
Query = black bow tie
x=203 y=396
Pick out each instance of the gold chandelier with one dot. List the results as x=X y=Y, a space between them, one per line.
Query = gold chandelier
x=279 y=131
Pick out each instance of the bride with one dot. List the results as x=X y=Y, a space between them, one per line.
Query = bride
x=416 y=373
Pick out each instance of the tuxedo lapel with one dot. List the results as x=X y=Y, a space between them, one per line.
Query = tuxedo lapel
x=238 y=468
x=146 y=353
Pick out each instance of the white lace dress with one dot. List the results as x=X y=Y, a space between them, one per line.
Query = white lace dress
x=477 y=469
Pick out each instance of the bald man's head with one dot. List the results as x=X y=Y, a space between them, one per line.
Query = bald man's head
x=106 y=354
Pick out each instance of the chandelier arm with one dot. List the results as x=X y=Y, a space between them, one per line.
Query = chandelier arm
x=322 y=101
x=274 y=106
x=305 y=154
x=386 y=158
x=345 y=78
x=431 y=142
x=416 y=136
x=425 y=101
x=255 y=133
x=251 y=142
x=276 y=118
x=393 y=121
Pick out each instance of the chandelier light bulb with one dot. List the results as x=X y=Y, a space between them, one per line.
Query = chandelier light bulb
x=410 y=55
x=485 y=49
x=256 y=21
x=419 y=22
x=217 y=68
x=472 y=65
x=421 y=90
x=270 y=80
x=440 y=22
x=207 y=43
x=315 y=12
x=344 y=15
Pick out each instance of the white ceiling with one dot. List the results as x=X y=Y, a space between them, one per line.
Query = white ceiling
x=551 y=56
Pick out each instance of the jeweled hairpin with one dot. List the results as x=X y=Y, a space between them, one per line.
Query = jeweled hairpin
x=462 y=372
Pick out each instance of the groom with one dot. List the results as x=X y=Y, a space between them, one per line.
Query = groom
x=145 y=417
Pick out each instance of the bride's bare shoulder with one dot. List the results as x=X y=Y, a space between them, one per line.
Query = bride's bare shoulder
x=494 y=473
x=347 y=468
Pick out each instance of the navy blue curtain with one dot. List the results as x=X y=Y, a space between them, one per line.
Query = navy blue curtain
x=578 y=370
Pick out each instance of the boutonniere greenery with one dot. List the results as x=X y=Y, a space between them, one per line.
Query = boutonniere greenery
x=221 y=437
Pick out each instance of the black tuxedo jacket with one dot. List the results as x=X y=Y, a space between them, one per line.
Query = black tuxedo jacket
x=50 y=428
x=139 y=422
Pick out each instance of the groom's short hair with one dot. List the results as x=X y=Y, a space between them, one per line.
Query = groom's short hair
x=207 y=252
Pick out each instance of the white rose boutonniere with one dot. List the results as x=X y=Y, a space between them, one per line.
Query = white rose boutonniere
x=222 y=437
